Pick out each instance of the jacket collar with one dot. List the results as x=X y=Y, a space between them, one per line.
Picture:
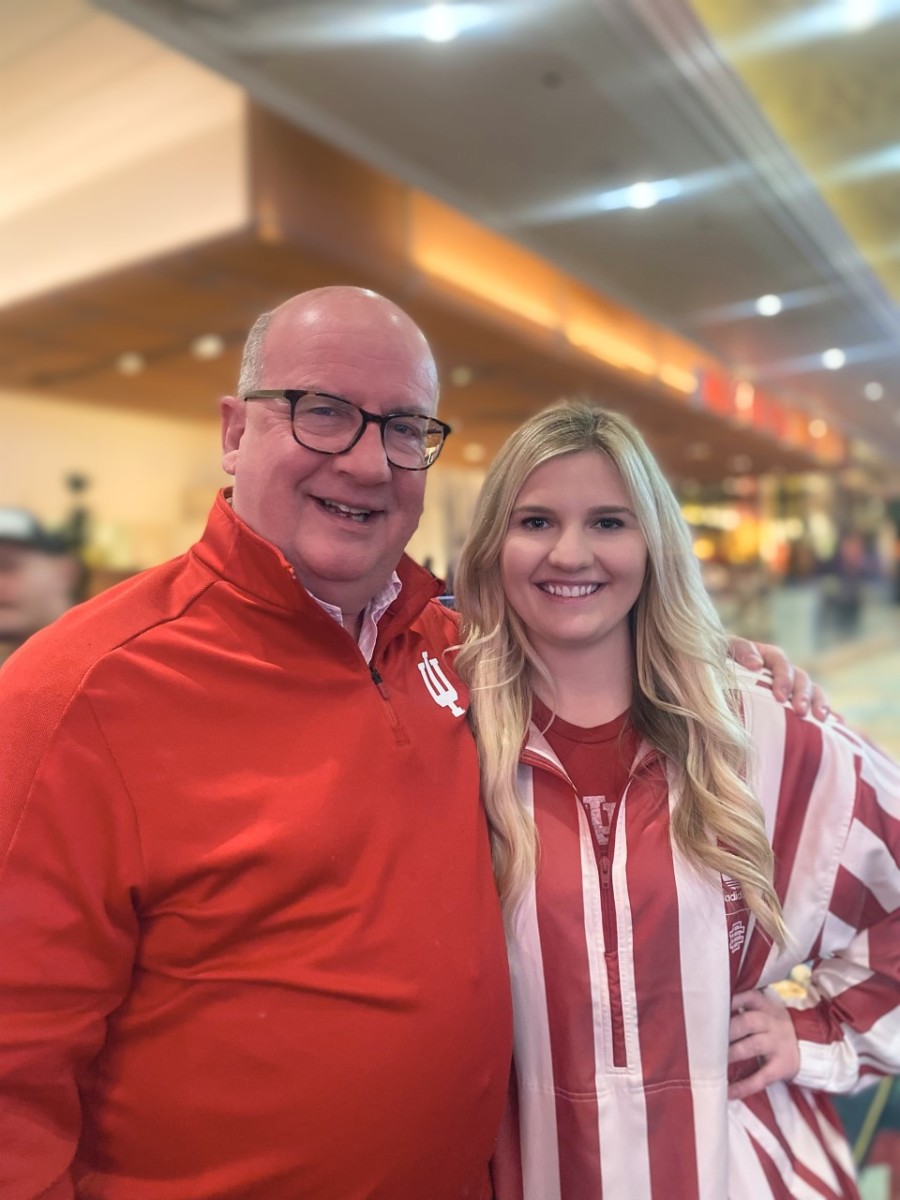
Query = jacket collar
x=231 y=549
x=537 y=752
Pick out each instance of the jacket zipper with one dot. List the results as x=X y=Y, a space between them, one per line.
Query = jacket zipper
x=533 y=758
x=611 y=947
x=603 y=858
x=400 y=735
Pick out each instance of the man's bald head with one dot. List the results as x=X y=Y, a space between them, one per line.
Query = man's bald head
x=309 y=312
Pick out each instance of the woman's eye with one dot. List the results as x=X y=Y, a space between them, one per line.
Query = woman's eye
x=534 y=523
x=610 y=523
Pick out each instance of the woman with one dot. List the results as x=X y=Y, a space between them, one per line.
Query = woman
x=636 y=784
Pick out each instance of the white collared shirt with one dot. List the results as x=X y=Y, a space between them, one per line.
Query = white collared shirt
x=375 y=610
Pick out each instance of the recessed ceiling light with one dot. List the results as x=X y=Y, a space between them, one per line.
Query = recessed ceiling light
x=439 y=24
x=130 y=363
x=861 y=14
x=817 y=428
x=769 y=305
x=874 y=391
x=208 y=345
x=646 y=195
x=461 y=376
x=833 y=359
x=642 y=195
x=474 y=452
x=740 y=462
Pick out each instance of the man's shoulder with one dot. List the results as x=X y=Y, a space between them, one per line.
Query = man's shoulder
x=54 y=661
x=439 y=623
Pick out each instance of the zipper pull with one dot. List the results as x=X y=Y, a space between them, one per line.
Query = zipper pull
x=604 y=871
x=378 y=681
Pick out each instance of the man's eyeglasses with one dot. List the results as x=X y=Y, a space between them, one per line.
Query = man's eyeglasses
x=332 y=425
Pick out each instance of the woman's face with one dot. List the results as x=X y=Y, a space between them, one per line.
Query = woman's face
x=573 y=559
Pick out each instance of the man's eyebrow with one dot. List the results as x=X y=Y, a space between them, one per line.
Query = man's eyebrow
x=409 y=410
x=402 y=410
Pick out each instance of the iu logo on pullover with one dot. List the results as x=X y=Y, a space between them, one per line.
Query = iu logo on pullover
x=440 y=689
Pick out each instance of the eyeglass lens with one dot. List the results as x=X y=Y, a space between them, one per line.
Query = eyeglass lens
x=330 y=425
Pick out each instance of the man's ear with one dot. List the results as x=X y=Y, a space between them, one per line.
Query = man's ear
x=234 y=416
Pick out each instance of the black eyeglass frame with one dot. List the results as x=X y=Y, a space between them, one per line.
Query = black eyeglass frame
x=295 y=395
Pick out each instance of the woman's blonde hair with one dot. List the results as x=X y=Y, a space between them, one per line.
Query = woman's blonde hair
x=684 y=697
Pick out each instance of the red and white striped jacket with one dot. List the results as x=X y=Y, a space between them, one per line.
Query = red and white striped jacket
x=623 y=968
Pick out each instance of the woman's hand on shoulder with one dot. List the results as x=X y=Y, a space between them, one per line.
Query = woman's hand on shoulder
x=788 y=682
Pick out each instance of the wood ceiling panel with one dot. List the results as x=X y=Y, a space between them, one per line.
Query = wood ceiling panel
x=67 y=345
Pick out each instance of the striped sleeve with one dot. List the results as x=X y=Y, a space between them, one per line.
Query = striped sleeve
x=848 y=1026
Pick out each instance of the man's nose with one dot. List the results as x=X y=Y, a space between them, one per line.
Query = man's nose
x=366 y=460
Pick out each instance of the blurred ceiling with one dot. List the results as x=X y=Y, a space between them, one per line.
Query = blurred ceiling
x=769 y=129
x=537 y=121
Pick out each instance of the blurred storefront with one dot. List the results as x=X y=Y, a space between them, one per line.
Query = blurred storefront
x=806 y=560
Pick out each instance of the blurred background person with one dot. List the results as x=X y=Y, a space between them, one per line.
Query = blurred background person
x=39 y=576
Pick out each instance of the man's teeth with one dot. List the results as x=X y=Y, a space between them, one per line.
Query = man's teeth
x=355 y=514
x=570 y=590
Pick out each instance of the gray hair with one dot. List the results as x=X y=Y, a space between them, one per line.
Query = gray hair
x=251 y=359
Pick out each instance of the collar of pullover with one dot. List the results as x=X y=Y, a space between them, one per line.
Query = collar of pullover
x=232 y=550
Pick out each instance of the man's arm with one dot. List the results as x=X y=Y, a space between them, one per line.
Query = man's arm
x=788 y=681
x=69 y=866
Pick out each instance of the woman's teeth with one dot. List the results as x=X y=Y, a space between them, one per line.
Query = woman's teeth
x=569 y=591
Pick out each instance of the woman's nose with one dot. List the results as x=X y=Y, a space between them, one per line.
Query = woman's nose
x=571 y=549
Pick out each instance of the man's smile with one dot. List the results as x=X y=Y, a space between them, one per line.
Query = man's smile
x=360 y=515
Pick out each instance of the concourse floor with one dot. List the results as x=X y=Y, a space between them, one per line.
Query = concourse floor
x=863 y=685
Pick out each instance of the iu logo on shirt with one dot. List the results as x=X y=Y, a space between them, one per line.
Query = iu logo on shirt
x=600 y=810
x=440 y=689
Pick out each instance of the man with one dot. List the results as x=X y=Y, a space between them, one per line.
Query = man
x=249 y=941
x=37 y=578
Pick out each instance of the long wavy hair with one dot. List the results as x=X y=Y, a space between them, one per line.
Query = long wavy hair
x=684 y=699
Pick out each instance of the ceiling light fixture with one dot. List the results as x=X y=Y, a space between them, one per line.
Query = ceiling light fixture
x=834 y=359
x=474 y=452
x=740 y=462
x=208 y=345
x=439 y=24
x=769 y=305
x=130 y=363
x=647 y=195
x=861 y=14
x=817 y=428
x=461 y=376
x=873 y=391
